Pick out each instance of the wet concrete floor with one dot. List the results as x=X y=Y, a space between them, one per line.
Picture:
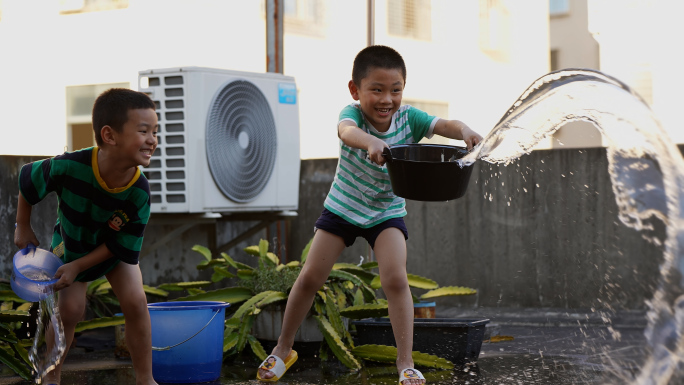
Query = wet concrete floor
x=548 y=347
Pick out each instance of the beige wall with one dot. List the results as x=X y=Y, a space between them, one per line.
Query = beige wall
x=574 y=46
x=48 y=52
x=639 y=45
x=569 y=34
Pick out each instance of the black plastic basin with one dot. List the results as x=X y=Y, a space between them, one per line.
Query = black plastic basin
x=427 y=172
x=458 y=340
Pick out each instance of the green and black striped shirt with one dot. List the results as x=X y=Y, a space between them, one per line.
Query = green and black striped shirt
x=89 y=213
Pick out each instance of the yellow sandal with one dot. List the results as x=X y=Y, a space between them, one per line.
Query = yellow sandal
x=410 y=374
x=277 y=366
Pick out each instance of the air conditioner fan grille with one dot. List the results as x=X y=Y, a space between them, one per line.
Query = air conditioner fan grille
x=241 y=140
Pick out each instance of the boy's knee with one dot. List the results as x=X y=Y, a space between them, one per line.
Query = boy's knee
x=309 y=284
x=137 y=304
x=137 y=307
x=71 y=313
x=395 y=285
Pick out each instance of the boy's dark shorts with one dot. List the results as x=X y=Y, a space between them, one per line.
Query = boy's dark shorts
x=337 y=225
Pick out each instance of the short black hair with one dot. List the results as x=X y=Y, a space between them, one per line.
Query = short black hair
x=376 y=56
x=111 y=109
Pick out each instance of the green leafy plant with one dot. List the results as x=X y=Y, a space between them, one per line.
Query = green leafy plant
x=104 y=305
x=14 y=316
x=269 y=283
x=379 y=308
x=349 y=292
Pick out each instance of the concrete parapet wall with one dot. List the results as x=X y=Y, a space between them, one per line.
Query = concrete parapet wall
x=42 y=218
x=542 y=232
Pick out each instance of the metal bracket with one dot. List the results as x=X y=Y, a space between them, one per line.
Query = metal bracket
x=187 y=221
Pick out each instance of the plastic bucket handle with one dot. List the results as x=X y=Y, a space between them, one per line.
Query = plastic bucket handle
x=216 y=311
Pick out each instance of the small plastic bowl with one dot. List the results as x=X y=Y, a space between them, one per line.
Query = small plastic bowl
x=34 y=263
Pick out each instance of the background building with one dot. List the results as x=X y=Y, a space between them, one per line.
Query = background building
x=572 y=45
x=622 y=39
x=633 y=37
x=466 y=60
x=542 y=232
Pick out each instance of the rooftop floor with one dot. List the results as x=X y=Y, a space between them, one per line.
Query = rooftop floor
x=549 y=346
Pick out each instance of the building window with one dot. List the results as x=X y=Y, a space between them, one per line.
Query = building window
x=434 y=108
x=79 y=103
x=410 y=19
x=67 y=7
x=553 y=60
x=559 y=7
x=304 y=17
x=495 y=30
x=641 y=80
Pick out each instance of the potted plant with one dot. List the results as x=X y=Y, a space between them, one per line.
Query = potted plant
x=456 y=340
x=261 y=289
x=349 y=292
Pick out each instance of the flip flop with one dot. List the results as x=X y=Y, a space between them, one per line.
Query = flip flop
x=277 y=366
x=410 y=374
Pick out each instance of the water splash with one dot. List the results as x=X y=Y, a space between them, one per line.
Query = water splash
x=647 y=174
x=49 y=342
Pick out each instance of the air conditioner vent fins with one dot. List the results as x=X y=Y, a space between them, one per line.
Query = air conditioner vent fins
x=241 y=140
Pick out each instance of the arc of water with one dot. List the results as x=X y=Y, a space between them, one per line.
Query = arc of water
x=647 y=174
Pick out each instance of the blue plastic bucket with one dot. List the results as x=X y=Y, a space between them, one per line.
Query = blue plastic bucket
x=33 y=270
x=187 y=340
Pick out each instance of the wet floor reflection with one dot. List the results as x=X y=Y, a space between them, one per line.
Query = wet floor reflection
x=536 y=355
x=492 y=370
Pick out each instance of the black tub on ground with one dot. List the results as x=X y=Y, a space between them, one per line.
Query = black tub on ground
x=455 y=339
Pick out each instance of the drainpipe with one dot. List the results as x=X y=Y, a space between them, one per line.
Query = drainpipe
x=370 y=40
x=275 y=13
x=370 y=27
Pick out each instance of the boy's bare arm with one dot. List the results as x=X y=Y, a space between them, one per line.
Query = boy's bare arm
x=24 y=234
x=67 y=273
x=355 y=137
x=455 y=129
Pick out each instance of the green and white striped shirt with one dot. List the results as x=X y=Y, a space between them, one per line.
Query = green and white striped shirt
x=361 y=192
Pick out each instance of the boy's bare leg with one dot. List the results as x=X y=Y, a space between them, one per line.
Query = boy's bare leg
x=71 y=303
x=390 y=251
x=324 y=251
x=126 y=281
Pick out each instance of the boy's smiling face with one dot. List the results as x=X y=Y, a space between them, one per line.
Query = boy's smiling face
x=379 y=95
x=138 y=140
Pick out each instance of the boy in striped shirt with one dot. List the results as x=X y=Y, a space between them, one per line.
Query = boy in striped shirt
x=104 y=206
x=361 y=201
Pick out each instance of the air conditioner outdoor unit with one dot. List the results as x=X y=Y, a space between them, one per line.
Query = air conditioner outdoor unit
x=228 y=141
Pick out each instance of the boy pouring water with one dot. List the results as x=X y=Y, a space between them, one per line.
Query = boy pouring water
x=104 y=206
x=361 y=203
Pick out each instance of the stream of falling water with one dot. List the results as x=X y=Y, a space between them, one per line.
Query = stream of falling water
x=48 y=342
x=647 y=174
